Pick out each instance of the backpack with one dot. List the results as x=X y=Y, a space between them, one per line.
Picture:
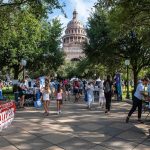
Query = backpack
x=107 y=87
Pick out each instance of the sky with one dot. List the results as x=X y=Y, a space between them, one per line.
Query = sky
x=83 y=8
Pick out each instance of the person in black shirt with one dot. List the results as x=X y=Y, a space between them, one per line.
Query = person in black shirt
x=108 y=93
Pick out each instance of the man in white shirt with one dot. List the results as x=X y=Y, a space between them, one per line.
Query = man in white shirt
x=137 y=100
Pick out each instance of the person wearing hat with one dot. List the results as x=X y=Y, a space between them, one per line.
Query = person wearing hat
x=137 y=100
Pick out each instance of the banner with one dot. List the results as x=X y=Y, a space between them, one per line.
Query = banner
x=118 y=86
x=7 y=111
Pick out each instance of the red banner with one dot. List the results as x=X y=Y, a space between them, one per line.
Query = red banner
x=7 y=111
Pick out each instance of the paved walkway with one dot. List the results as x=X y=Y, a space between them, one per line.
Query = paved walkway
x=76 y=129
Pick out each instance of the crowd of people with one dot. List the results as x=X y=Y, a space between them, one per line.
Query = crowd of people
x=63 y=89
x=80 y=90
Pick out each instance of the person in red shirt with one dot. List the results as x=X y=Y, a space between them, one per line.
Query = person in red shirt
x=76 y=90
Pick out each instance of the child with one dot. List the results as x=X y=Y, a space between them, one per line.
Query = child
x=59 y=99
x=102 y=99
x=46 y=99
x=90 y=94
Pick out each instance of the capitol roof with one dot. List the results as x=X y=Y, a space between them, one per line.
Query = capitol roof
x=74 y=23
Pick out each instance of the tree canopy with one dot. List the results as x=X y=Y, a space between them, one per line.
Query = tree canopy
x=25 y=34
x=118 y=30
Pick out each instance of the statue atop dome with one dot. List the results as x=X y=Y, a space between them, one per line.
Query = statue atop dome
x=75 y=14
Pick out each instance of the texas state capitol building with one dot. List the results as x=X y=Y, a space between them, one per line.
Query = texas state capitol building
x=75 y=36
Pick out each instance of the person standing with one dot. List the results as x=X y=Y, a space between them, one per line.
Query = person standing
x=1 y=86
x=102 y=99
x=59 y=97
x=137 y=100
x=76 y=90
x=90 y=94
x=108 y=93
x=22 y=92
x=46 y=99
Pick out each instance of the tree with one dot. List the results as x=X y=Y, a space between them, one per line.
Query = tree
x=117 y=45
x=130 y=21
x=39 y=8
x=131 y=47
x=98 y=32
x=99 y=49
x=20 y=39
x=24 y=36
x=50 y=57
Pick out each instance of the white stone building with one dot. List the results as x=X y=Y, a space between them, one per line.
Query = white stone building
x=75 y=36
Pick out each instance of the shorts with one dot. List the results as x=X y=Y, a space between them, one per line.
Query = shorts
x=46 y=99
x=21 y=93
x=75 y=91
x=60 y=101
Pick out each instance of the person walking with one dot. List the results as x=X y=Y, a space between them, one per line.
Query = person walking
x=59 y=97
x=76 y=90
x=46 y=99
x=108 y=93
x=90 y=94
x=102 y=99
x=137 y=100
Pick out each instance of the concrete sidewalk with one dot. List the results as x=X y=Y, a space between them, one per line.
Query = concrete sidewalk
x=76 y=129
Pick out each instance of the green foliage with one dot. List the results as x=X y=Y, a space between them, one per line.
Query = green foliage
x=50 y=56
x=98 y=32
x=24 y=36
x=39 y=8
x=68 y=70
x=20 y=39
x=110 y=41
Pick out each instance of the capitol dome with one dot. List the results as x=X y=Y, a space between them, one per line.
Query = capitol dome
x=75 y=36
x=74 y=23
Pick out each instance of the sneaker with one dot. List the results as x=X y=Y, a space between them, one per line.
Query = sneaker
x=127 y=119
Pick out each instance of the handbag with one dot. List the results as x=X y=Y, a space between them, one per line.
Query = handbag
x=38 y=103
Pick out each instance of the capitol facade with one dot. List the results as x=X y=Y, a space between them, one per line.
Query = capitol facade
x=75 y=36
